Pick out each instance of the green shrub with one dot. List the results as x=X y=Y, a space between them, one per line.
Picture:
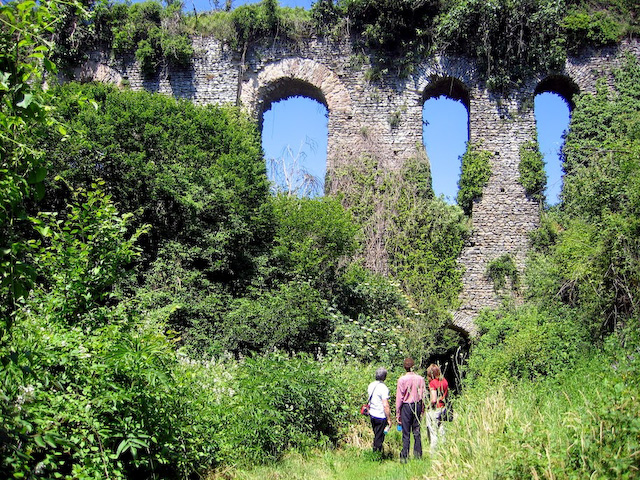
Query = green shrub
x=531 y=167
x=584 y=27
x=369 y=339
x=280 y=403
x=292 y=317
x=96 y=396
x=476 y=171
x=593 y=264
x=501 y=268
x=24 y=61
x=195 y=174
x=524 y=343
x=314 y=238
x=578 y=419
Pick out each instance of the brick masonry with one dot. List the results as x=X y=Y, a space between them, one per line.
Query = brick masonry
x=383 y=119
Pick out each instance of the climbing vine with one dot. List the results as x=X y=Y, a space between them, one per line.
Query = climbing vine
x=531 y=168
x=476 y=171
x=501 y=268
x=411 y=235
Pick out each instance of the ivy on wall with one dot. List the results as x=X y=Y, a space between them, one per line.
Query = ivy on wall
x=502 y=268
x=531 y=167
x=476 y=171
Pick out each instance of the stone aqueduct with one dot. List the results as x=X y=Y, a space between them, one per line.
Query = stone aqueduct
x=334 y=74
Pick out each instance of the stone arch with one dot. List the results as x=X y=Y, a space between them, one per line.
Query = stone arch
x=561 y=85
x=295 y=77
x=449 y=87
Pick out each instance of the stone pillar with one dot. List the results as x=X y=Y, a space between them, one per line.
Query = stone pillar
x=503 y=217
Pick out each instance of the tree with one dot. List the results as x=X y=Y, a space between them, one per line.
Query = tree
x=25 y=27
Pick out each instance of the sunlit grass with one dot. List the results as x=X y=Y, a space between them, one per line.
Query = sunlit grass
x=347 y=463
x=355 y=461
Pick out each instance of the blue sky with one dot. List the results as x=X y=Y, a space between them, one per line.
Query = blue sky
x=301 y=124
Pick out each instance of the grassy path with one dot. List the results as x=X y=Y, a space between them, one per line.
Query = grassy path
x=352 y=462
x=348 y=464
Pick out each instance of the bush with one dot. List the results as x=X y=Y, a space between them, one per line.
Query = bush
x=524 y=343
x=280 y=403
x=584 y=27
x=501 y=268
x=292 y=317
x=314 y=238
x=531 y=167
x=476 y=171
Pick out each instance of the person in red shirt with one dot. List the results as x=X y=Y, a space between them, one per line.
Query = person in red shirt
x=410 y=393
x=438 y=391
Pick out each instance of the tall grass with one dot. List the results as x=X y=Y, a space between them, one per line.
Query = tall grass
x=582 y=423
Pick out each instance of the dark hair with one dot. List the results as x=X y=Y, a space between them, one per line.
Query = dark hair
x=408 y=363
x=381 y=374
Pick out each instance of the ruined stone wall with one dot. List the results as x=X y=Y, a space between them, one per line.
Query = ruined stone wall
x=383 y=119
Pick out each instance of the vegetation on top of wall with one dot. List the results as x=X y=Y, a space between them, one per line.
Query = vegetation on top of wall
x=510 y=40
x=531 y=167
x=475 y=174
x=156 y=34
x=600 y=23
x=261 y=23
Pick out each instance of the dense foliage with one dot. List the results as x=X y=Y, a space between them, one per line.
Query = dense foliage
x=195 y=174
x=475 y=174
x=23 y=62
x=577 y=419
x=417 y=237
x=531 y=167
x=501 y=269
x=592 y=263
x=163 y=315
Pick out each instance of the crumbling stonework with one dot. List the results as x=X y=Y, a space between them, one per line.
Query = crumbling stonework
x=383 y=119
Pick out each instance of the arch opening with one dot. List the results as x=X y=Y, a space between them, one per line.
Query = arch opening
x=552 y=108
x=285 y=88
x=294 y=128
x=561 y=85
x=445 y=133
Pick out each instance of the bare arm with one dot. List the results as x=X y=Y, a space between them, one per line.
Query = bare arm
x=387 y=410
x=433 y=396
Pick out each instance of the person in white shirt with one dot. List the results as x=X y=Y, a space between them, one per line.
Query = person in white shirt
x=379 y=409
